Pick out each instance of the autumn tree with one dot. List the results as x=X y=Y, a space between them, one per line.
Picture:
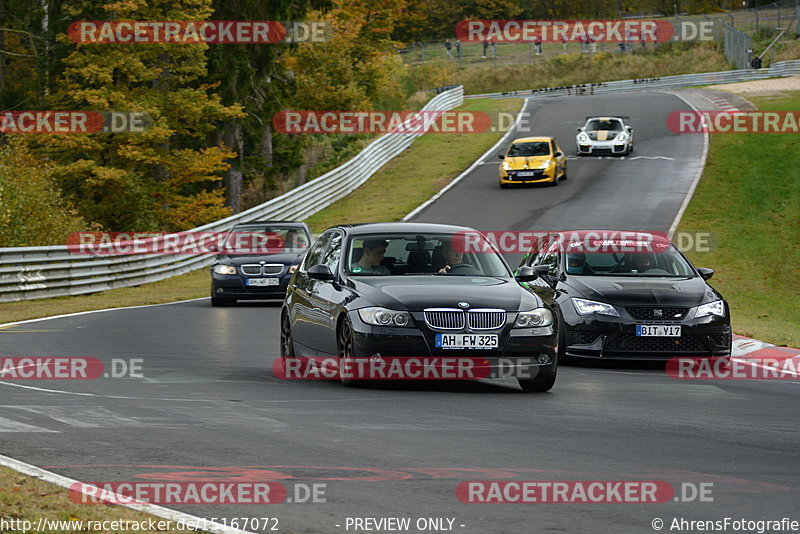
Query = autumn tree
x=165 y=177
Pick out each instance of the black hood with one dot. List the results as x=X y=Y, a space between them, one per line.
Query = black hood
x=239 y=259
x=415 y=293
x=633 y=291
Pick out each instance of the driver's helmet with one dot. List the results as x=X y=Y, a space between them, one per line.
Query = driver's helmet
x=576 y=262
x=643 y=261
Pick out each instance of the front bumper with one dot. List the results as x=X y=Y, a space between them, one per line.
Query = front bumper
x=539 y=176
x=597 y=148
x=614 y=338
x=234 y=286
x=516 y=356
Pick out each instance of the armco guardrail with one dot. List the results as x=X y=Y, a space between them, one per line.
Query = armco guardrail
x=28 y=273
x=779 y=69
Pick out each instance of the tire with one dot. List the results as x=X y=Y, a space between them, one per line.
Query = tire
x=538 y=385
x=344 y=348
x=564 y=176
x=504 y=186
x=555 y=181
x=287 y=346
x=221 y=301
x=562 y=349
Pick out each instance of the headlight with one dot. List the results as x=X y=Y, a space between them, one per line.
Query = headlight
x=384 y=317
x=583 y=138
x=712 y=308
x=588 y=307
x=224 y=269
x=534 y=318
x=506 y=166
x=546 y=163
x=292 y=269
x=621 y=137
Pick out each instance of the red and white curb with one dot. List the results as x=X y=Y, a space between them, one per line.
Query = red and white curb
x=751 y=351
x=152 y=509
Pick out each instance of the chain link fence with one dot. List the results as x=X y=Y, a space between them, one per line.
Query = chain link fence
x=733 y=28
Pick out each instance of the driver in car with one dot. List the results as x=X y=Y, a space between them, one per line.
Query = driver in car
x=452 y=257
x=371 y=258
x=643 y=261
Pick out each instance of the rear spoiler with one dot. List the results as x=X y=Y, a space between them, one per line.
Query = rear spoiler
x=627 y=118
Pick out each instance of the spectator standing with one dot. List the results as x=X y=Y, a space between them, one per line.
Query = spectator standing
x=537 y=44
x=485 y=47
x=458 y=49
x=449 y=47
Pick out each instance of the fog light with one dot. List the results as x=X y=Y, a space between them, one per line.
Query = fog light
x=544 y=359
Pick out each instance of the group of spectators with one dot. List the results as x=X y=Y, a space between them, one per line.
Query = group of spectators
x=587 y=43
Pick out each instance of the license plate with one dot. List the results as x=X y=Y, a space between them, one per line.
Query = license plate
x=525 y=173
x=657 y=330
x=466 y=341
x=263 y=282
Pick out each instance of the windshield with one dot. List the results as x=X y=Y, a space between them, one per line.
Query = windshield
x=612 y=125
x=266 y=240
x=533 y=148
x=667 y=263
x=422 y=254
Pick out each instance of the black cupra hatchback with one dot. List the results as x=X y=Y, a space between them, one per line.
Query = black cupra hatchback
x=633 y=298
x=406 y=290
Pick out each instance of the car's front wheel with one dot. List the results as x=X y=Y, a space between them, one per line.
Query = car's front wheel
x=538 y=385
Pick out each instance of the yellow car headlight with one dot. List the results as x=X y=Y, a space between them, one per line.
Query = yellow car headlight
x=506 y=166
x=546 y=163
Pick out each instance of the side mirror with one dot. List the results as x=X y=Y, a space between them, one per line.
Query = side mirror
x=320 y=272
x=558 y=154
x=501 y=156
x=526 y=274
x=705 y=273
x=580 y=129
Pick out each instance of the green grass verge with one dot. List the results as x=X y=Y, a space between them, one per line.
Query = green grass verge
x=415 y=175
x=396 y=190
x=749 y=198
x=29 y=499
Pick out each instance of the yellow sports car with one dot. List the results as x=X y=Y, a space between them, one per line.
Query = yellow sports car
x=533 y=160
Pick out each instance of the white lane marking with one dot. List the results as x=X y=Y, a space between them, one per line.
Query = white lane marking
x=98 y=311
x=80 y=394
x=471 y=167
x=652 y=157
x=153 y=509
x=698 y=175
x=9 y=425
x=80 y=416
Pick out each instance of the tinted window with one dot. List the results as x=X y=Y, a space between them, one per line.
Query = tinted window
x=266 y=240
x=314 y=255
x=667 y=263
x=423 y=254
x=333 y=252
x=612 y=125
x=534 y=148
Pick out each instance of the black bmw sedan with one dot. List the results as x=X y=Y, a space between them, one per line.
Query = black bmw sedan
x=389 y=291
x=256 y=261
x=649 y=303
